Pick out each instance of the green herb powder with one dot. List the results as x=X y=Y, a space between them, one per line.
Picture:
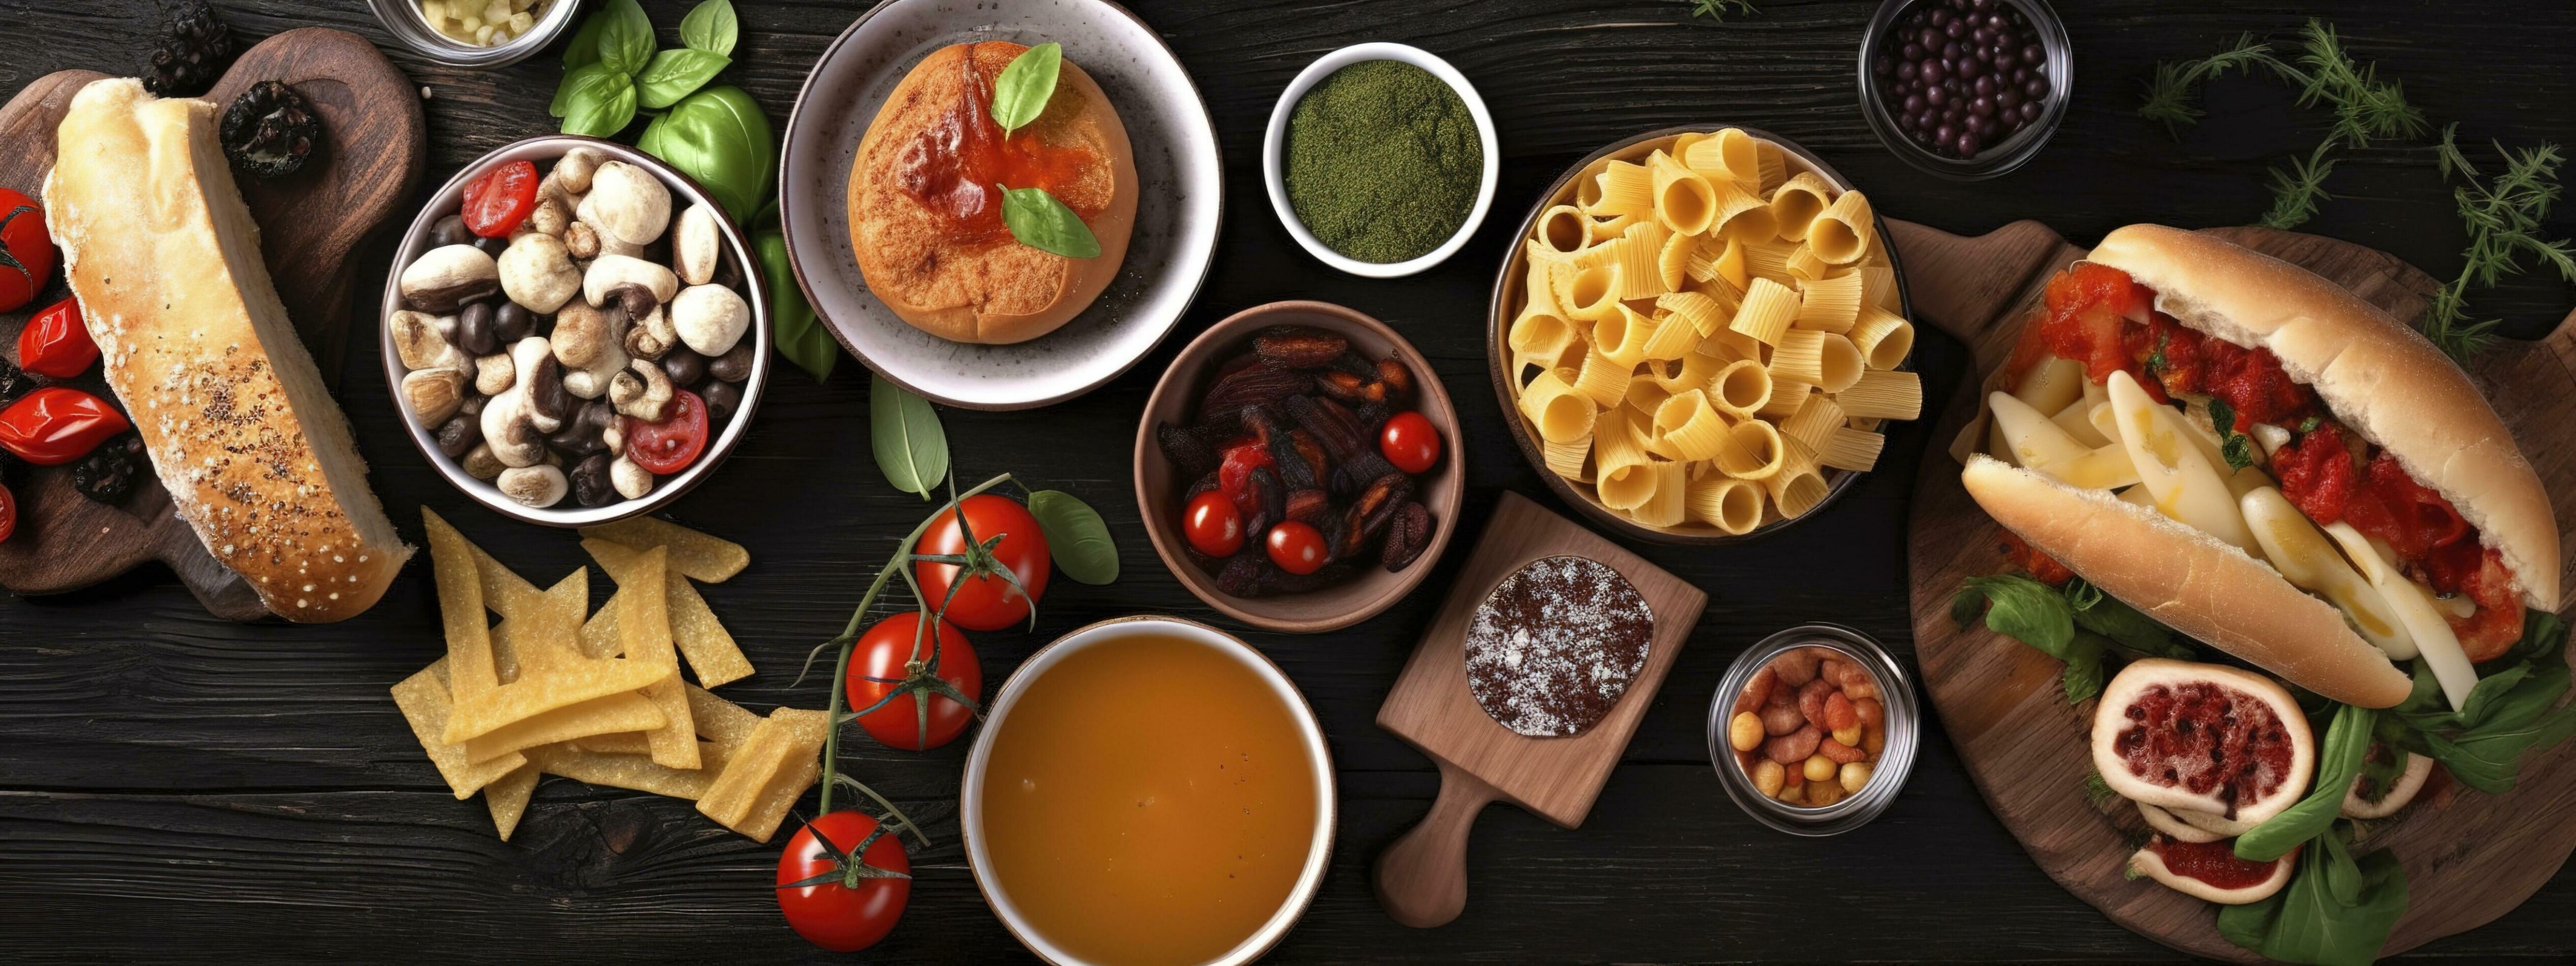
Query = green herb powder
x=1383 y=161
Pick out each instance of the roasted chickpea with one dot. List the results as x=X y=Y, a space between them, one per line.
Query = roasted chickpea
x=1821 y=794
x=1819 y=768
x=1768 y=776
x=1744 y=731
x=1848 y=736
x=1872 y=738
x=1854 y=775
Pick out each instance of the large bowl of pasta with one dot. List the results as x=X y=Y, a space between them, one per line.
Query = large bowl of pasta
x=1702 y=335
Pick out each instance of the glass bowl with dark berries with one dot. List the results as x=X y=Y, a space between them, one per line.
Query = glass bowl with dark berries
x=1299 y=467
x=1965 y=88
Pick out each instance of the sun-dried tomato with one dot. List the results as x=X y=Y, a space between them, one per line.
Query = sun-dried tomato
x=55 y=425
x=56 y=342
x=2036 y=562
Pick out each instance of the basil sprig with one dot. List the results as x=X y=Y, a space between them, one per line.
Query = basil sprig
x=1076 y=536
x=2236 y=447
x=911 y=447
x=2338 y=760
x=611 y=69
x=1037 y=218
x=2336 y=911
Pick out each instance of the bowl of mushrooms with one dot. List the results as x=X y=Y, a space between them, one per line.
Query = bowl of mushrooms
x=576 y=331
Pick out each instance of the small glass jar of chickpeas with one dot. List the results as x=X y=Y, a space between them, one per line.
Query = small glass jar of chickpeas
x=1814 y=729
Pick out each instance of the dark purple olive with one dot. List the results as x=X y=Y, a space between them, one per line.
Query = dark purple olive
x=2008 y=99
x=683 y=366
x=1913 y=104
x=2036 y=89
x=1968 y=145
x=2032 y=54
x=1931 y=38
x=1945 y=134
x=722 y=398
x=1936 y=96
x=1970 y=69
x=450 y=230
x=512 y=322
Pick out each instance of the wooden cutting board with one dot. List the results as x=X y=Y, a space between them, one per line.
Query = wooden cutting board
x=2469 y=857
x=1422 y=878
x=310 y=222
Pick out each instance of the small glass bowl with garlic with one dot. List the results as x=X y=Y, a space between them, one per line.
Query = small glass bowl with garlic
x=476 y=33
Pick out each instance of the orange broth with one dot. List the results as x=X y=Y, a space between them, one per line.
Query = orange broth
x=1148 y=800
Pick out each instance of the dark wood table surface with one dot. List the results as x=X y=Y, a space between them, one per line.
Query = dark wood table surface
x=182 y=788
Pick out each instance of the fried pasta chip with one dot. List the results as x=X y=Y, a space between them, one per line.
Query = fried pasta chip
x=698 y=555
x=549 y=678
x=508 y=798
x=769 y=773
x=702 y=639
x=423 y=700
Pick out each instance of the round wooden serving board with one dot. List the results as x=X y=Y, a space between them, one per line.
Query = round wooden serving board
x=2469 y=857
x=310 y=222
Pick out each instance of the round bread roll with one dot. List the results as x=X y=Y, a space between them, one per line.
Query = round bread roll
x=2378 y=375
x=929 y=238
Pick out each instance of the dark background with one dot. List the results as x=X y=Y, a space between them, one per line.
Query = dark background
x=181 y=787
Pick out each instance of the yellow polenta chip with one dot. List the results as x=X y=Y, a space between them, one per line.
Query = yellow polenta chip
x=701 y=638
x=423 y=700
x=700 y=556
x=632 y=711
x=621 y=743
x=768 y=775
x=508 y=798
x=637 y=772
x=480 y=702
x=645 y=635
x=719 y=720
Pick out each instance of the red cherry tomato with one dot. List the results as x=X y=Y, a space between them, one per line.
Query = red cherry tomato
x=8 y=514
x=498 y=202
x=1297 y=548
x=984 y=600
x=669 y=446
x=843 y=913
x=889 y=696
x=56 y=342
x=1410 y=442
x=1213 y=524
x=54 y=425
x=26 y=253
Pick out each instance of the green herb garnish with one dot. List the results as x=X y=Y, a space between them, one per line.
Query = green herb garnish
x=711 y=27
x=911 y=447
x=2504 y=220
x=1025 y=87
x=1042 y=222
x=2338 y=760
x=1718 y=9
x=1076 y=536
x=611 y=69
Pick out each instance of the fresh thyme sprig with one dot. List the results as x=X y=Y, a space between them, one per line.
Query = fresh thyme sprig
x=1718 y=9
x=2169 y=96
x=2365 y=108
x=2503 y=218
x=2296 y=190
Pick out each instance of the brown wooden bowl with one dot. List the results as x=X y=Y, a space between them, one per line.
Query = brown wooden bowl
x=1507 y=295
x=1159 y=484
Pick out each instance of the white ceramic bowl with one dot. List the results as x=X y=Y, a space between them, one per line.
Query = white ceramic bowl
x=544 y=150
x=1274 y=145
x=970 y=814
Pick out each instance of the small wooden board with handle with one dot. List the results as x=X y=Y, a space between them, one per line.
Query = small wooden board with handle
x=375 y=145
x=2469 y=857
x=1422 y=878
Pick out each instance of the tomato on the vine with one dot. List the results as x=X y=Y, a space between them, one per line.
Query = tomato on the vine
x=1005 y=535
x=26 y=251
x=904 y=704
x=496 y=203
x=1213 y=524
x=1297 y=548
x=1410 y=442
x=843 y=881
x=669 y=446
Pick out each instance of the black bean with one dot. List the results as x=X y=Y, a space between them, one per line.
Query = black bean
x=492 y=246
x=513 y=322
x=683 y=366
x=458 y=435
x=733 y=366
x=590 y=481
x=722 y=398
x=581 y=434
x=450 y=230
x=474 y=330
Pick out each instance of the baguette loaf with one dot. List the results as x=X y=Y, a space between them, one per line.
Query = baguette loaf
x=162 y=252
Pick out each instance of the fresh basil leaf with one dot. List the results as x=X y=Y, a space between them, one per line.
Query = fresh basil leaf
x=677 y=73
x=2083 y=677
x=1968 y=607
x=586 y=80
x=2309 y=425
x=626 y=38
x=2238 y=450
x=2111 y=618
x=2307 y=923
x=2027 y=611
x=2222 y=417
x=912 y=449
x=1076 y=537
x=2338 y=760
x=719 y=137
x=711 y=27
x=1025 y=87
x=1040 y=221
x=601 y=106
x=2156 y=363
x=800 y=336
x=583 y=49
x=2081 y=593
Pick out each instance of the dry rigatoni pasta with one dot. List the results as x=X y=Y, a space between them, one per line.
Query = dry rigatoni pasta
x=1712 y=330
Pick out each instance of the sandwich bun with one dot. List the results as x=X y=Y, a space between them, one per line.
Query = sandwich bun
x=2377 y=374
x=985 y=286
x=2190 y=580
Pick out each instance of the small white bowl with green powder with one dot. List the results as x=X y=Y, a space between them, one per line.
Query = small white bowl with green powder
x=1381 y=159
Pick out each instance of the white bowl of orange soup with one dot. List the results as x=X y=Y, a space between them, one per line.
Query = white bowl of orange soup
x=1145 y=791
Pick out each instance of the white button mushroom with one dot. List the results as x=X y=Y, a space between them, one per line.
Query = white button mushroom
x=641 y=390
x=576 y=169
x=537 y=486
x=710 y=318
x=626 y=203
x=697 y=244
x=420 y=341
x=480 y=464
x=536 y=271
x=652 y=337
x=610 y=273
x=447 y=277
x=494 y=373
x=631 y=479
x=433 y=394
